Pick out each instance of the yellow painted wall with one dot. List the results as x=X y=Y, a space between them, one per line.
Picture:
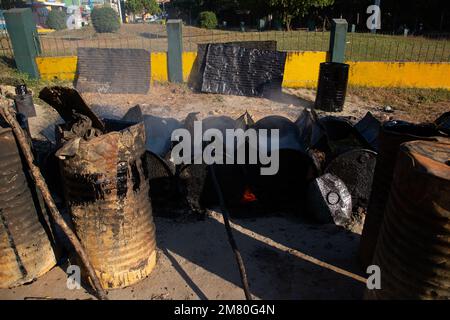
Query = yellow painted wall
x=62 y=68
x=397 y=74
x=159 y=66
x=188 y=62
x=301 y=71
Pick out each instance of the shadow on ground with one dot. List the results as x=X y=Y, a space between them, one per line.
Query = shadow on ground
x=273 y=273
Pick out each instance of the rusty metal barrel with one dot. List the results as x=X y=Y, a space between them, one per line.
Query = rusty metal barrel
x=106 y=187
x=413 y=248
x=392 y=135
x=26 y=243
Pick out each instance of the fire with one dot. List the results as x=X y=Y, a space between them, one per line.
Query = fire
x=248 y=196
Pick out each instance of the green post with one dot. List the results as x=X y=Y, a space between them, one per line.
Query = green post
x=338 y=38
x=24 y=39
x=175 y=50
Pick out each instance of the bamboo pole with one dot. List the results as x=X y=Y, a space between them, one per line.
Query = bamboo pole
x=42 y=186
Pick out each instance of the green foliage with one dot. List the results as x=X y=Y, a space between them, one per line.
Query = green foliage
x=56 y=19
x=208 y=19
x=290 y=9
x=9 y=4
x=105 y=19
x=134 y=6
x=142 y=7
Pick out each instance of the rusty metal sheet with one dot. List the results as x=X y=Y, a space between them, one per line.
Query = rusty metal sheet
x=67 y=102
x=26 y=246
x=107 y=191
x=113 y=70
x=414 y=244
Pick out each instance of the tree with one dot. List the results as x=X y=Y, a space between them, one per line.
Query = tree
x=142 y=7
x=8 y=4
x=290 y=9
x=208 y=20
x=105 y=19
x=56 y=19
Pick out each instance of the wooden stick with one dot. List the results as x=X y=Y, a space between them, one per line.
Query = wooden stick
x=226 y=220
x=40 y=183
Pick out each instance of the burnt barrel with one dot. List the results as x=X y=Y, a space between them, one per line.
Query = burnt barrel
x=392 y=135
x=26 y=243
x=332 y=87
x=106 y=186
x=413 y=248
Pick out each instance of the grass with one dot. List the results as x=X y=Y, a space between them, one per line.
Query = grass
x=152 y=37
x=417 y=104
x=9 y=75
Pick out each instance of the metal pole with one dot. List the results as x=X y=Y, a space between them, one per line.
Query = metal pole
x=120 y=11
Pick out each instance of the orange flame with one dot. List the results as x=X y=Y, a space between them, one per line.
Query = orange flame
x=248 y=196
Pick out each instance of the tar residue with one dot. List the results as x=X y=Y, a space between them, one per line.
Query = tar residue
x=95 y=187
x=135 y=177
x=121 y=180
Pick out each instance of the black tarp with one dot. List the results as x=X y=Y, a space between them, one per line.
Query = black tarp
x=196 y=78
x=241 y=71
x=113 y=70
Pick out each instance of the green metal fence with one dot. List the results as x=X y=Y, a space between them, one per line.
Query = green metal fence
x=380 y=47
x=359 y=46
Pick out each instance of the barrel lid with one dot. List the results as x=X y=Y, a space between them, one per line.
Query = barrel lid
x=431 y=156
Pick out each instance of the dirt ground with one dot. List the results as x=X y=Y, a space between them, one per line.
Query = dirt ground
x=195 y=260
x=168 y=100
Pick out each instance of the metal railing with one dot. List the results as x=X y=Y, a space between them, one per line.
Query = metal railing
x=286 y=40
x=132 y=36
x=5 y=45
x=359 y=47
x=384 y=47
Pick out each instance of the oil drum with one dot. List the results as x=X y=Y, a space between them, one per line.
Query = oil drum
x=332 y=87
x=26 y=243
x=413 y=248
x=106 y=186
x=392 y=135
